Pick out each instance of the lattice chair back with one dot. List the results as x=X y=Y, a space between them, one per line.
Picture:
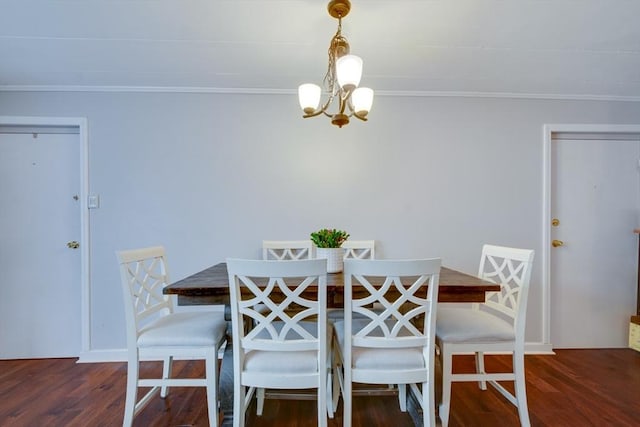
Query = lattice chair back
x=292 y=297
x=511 y=268
x=407 y=318
x=144 y=274
x=282 y=250
x=359 y=249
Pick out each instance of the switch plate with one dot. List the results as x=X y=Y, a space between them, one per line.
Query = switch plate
x=93 y=201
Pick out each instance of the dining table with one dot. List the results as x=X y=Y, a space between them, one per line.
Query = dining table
x=210 y=286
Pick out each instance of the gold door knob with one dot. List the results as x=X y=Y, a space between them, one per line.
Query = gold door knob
x=556 y=243
x=73 y=244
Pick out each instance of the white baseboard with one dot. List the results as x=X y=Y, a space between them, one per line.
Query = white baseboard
x=120 y=355
x=538 y=348
x=101 y=356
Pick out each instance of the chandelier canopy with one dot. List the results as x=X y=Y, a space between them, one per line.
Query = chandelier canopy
x=341 y=80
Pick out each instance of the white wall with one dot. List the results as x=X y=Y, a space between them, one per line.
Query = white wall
x=212 y=175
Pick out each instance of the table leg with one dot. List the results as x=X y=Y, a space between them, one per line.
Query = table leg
x=226 y=385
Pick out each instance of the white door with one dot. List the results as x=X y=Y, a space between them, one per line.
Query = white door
x=595 y=195
x=40 y=281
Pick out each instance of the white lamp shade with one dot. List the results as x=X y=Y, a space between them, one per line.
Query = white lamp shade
x=349 y=71
x=362 y=99
x=309 y=97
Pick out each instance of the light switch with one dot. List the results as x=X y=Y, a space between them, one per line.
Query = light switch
x=94 y=201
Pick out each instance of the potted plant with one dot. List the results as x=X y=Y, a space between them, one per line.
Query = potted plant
x=328 y=243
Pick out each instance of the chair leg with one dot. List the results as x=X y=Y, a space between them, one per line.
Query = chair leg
x=323 y=404
x=331 y=390
x=335 y=392
x=132 y=392
x=402 y=397
x=520 y=388
x=336 y=376
x=480 y=369
x=239 y=396
x=333 y=385
x=347 y=397
x=447 y=366
x=259 y=401
x=211 y=372
x=339 y=378
x=166 y=374
x=428 y=404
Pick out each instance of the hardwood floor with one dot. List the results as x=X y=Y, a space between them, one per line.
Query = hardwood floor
x=572 y=388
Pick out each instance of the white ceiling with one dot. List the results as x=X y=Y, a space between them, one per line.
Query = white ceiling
x=584 y=49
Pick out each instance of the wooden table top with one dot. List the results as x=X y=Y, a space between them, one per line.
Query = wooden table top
x=213 y=283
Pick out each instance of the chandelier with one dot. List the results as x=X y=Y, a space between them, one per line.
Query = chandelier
x=341 y=80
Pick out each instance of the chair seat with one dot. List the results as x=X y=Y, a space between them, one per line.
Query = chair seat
x=467 y=325
x=184 y=329
x=380 y=358
x=337 y=314
x=284 y=361
x=281 y=361
x=274 y=362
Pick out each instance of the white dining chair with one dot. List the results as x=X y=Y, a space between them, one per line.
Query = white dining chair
x=282 y=345
x=389 y=346
x=156 y=332
x=353 y=249
x=497 y=325
x=359 y=249
x=282 y=250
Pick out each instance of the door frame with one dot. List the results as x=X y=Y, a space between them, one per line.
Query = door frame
x=548 y=131
x=79 y=123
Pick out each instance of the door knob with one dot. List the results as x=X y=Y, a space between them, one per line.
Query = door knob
x=73 y=244
x=556 y=243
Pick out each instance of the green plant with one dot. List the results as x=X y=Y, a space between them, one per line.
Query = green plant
x=329 y=238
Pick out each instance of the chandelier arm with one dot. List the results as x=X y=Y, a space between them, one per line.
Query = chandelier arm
x=315 y=113
x=322 y=109
x=356 y=115
x=341 y=105
x=345 y=98
x=329 y=101
x=350 y=103
x=353 y=113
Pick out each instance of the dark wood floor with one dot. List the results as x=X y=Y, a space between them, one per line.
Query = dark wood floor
x=572 y=388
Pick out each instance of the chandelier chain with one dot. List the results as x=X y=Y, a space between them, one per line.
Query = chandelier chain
x=337 y=42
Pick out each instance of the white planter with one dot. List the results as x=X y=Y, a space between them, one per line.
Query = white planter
x=334 y=257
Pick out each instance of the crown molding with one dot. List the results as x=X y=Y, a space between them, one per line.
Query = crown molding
x=258 y=91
